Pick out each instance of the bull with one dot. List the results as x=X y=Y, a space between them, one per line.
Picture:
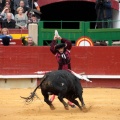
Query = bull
x=63 y=84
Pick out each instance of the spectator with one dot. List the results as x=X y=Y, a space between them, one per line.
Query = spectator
x=6 y=3
x=17 y=3
x=35 y=9
x=33 y=19
x=5 y=11
x=100 y=13
x=2 y=4
x=5 y=32
x=22 y=4
x=5 y=37
x=104 y=13
x=1 y=20
x=107 y=14
x=6 y=41
x=10 y=4
x=21 y=19
x=33 y=4
x=9 y=22
x=28 y=42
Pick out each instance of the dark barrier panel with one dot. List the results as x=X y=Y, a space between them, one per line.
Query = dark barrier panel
x=115 y=4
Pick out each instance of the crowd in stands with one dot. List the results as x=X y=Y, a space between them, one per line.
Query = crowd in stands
x=6 y=38
x=18 y=13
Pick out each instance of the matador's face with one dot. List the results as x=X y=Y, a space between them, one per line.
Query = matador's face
x=61 y=50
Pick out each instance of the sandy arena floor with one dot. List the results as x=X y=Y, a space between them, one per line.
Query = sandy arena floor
x=105 y=105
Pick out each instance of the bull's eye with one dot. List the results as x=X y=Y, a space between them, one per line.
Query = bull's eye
x=62 y=84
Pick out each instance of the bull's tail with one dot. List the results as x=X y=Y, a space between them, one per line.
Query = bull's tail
x=33 y=94
x=31 y=97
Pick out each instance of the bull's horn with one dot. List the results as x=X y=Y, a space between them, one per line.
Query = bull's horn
x=83 y=73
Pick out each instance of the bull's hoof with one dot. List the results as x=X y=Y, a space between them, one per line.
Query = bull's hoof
x=84 y=109
x=52 y=107
x=66 y=107
x=80 y=108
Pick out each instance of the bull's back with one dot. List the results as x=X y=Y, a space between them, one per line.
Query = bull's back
x=59 y=80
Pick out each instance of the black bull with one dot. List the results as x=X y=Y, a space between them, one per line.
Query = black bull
x=63 y=84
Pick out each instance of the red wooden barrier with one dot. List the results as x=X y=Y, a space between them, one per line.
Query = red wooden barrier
x=96 y=60
x=91 y=60
x=16 y=60
x=18 y=31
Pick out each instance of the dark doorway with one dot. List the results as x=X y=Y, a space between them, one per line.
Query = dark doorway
x=69 y=11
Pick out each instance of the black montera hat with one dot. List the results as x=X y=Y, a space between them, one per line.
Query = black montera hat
x=6 y=41
x=61 y=45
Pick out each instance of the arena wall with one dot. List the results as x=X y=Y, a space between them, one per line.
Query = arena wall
x=115 y=4
x=18 y=33
x=18 y=83
x=94 y=61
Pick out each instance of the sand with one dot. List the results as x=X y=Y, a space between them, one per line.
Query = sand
x=104 y=104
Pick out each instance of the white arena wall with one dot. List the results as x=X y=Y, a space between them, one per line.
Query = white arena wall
x=18 y=83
